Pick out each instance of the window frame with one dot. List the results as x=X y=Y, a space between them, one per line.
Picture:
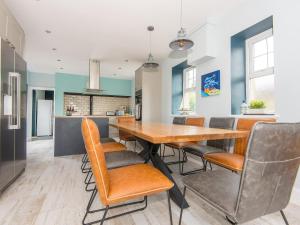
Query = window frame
x=191 y=89
x=250 y=74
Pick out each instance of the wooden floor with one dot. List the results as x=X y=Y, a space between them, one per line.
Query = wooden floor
x=51 y=192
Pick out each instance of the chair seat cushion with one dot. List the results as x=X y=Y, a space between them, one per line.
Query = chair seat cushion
x=106 y=140
x=122 y=158
x=113 y=147
x=201 y=150
x=230 y=161
x=178 y=145
x=136 y=181
x=219 y=188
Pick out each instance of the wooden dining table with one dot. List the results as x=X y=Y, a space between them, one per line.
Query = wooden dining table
x=151 y=135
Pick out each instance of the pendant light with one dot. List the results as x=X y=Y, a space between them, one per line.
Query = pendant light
x=150 y=61
x=181 y=43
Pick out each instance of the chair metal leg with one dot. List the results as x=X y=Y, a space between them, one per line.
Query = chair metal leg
x=170 y=209
x=181 y=207
x=84 y=157
x=89 y=182
x=284 y=217
x=168 y=155
x=104 y=218
x=135 y=146
x=193 y=171
x=184 y=159
x=87 y=178
x=179 y=163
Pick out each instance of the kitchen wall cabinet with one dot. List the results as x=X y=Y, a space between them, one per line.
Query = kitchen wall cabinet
x=10 y=30
x=150 y=84
x=138 y=79
x=3 y=21
x=204 y=47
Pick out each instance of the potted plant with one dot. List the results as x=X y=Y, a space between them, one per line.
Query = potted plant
x=257 y=106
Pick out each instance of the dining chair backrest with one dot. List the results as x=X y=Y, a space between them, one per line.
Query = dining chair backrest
x=179 y=120
x=246 y=124
x=126 y=119
x=195 y=121
x=270 y=169
x=96 y=134
x=221 y=123
x=97 y=159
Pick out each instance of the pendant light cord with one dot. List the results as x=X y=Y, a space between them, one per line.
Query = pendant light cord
x=150 y=42
x=181 y=14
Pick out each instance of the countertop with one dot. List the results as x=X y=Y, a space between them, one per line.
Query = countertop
x=91 y=116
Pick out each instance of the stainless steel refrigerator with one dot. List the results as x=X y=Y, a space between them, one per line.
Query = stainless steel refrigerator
x=13 y=89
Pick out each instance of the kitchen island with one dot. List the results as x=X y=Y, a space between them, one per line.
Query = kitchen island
x=68 y=139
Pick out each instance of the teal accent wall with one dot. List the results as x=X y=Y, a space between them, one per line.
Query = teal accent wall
x=238 y=62
x=115 y=86
x=77 y=84
x=67 y=83
x=177 y=86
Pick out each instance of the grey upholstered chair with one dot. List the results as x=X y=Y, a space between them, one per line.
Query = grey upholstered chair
x=212 y=146
x=265 y=185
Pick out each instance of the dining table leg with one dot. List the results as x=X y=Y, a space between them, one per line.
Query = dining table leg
x=150 y=152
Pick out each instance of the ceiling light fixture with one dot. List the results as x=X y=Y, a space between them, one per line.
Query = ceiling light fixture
x=150 y=61
x=181 y=43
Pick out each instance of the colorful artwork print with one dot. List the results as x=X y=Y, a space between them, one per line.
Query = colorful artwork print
x=210 y=84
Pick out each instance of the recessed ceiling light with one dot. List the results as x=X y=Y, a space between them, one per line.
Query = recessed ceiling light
x=48 y=31
x=53 y=49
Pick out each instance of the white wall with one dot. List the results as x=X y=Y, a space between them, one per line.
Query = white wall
x=287 y=47
x=151 y=91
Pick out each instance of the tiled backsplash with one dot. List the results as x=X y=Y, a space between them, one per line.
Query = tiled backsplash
x=101 y=104
x=80 y=103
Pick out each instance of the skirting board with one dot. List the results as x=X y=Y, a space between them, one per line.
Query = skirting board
x=295 y=198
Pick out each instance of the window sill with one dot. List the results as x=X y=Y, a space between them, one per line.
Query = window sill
x=256 y=115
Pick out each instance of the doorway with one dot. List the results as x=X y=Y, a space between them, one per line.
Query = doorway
x=42 y=111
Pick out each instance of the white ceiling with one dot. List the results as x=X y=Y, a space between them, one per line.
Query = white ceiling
x=109 y=30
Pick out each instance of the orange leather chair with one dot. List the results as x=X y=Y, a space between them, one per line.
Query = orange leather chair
x=108 y=146
x=235 y=161
x=190 y=121
x=120 y=185
x=123 y=135
x=114 y=153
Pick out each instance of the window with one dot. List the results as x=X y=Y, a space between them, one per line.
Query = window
x=189 y=90
x=260 y=69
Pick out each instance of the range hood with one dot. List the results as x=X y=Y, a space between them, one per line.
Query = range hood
x=94 y=77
